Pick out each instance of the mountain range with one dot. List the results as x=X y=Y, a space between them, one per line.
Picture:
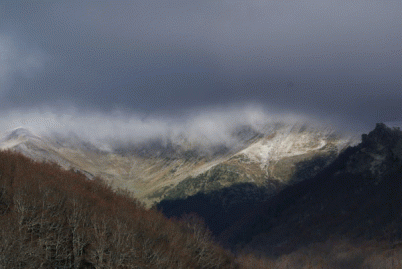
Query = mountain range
x=298 y=195
x=157 y=170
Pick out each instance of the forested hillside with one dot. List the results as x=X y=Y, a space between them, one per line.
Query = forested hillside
x=53 y=218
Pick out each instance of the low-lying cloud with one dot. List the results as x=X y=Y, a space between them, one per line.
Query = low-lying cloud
x=204 y=128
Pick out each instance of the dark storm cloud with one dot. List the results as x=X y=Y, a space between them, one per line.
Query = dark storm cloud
x=339 y=59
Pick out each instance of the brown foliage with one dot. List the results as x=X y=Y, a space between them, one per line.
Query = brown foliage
x=52 y=218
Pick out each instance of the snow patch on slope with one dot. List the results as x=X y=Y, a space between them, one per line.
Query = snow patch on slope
x=289 y=141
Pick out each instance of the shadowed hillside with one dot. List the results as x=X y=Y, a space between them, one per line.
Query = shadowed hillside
x=226 y=208
x=351 y=209
x=347 y=216
x=222 y=208
x=52 y=218
x=356 y=196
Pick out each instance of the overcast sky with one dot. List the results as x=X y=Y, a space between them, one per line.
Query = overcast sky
x=328 y=59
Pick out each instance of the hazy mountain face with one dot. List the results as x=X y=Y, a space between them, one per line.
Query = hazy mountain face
x=179 y=166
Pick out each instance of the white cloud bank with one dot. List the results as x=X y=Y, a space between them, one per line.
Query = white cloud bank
x=205 y=128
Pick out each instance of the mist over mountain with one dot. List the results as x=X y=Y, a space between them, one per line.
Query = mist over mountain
x=203 y=129
x=159 y=158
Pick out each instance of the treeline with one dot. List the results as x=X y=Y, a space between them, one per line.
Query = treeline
x=53 y=218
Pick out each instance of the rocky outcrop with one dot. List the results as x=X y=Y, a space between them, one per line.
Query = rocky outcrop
x=380 y=151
